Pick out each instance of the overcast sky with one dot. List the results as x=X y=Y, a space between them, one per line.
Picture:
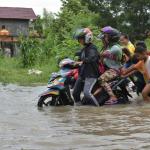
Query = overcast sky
x=37 y=5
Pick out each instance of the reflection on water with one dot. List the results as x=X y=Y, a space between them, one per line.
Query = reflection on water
x=24 y=127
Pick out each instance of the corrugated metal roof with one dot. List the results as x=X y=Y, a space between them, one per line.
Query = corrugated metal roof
x=17 y=13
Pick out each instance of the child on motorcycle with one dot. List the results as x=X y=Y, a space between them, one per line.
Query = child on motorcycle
x=88 y=67
x=142 y=66
x=112 y=57
x=126 y=43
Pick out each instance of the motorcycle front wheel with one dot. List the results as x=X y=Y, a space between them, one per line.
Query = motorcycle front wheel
x=49 y=100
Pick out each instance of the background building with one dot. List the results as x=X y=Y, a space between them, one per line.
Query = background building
x=14 y=22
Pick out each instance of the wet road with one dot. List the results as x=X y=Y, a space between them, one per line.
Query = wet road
x=24 y=127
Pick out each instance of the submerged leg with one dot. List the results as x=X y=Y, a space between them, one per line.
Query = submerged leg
x=146 y=92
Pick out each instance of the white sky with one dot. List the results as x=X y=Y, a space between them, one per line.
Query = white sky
x=37 y=5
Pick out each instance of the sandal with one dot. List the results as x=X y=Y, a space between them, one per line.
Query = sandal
x=111 y=102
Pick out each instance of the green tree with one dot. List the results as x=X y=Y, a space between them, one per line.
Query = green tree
x=130 y=16
x=56 y=40
x=38 y=25
x=73 y=15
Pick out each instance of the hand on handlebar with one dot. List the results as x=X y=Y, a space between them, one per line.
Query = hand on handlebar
x=78 y=63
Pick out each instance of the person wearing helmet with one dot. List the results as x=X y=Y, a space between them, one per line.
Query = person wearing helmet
x=88 y=67
x=112 y=57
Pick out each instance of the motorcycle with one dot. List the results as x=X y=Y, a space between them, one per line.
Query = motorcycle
x=60 y=83
x=58 y=92
x=119 y=86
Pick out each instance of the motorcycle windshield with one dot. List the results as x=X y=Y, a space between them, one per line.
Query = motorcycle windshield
x=64 y=72
x=61 y=74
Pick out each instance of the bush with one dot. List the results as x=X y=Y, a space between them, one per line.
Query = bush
x=30 y=51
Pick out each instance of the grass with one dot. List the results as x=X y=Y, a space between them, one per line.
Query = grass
x=12 y=72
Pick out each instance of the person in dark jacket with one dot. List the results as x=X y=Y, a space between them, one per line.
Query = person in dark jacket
x=88 y=67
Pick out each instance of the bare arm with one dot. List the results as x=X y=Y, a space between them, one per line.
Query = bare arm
x=128 y=71
x=129 y=74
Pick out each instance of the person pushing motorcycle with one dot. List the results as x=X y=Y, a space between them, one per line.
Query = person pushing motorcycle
x=112 y=57
x=88 y=67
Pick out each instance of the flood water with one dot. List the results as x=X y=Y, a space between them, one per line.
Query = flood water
x=24 y=127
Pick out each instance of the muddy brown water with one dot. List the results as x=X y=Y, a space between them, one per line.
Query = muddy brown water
x=24 y=127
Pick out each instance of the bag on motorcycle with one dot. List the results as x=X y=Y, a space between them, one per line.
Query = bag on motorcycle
x=101 y=68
